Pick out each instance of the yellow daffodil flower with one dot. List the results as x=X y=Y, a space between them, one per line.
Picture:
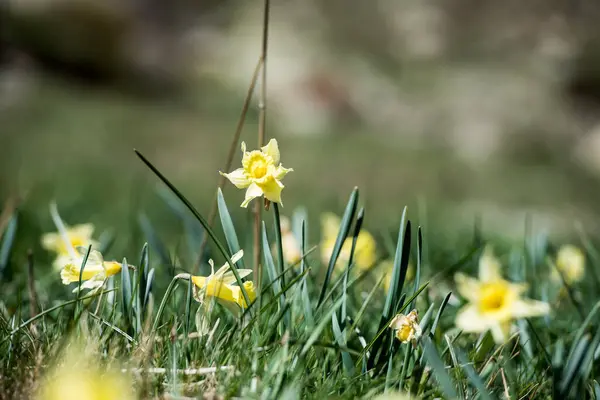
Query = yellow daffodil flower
x=570 y=261
x=365 y=254
x=261 y=173
x=78 y=235
x=220 y=286
x=386 y=267
x=289 y=243
x=79 y=378
x=95 y=272
x=407 y=327
x=493 y=302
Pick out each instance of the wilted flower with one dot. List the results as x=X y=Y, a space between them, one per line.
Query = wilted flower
x=78 y=235
x=365 y=253
x=289 y=243
x=79 y=378
x=570 y=261
x=261 y=173
x=220 y=286
x=95 y=271
x=407 y=327
x=493 y=302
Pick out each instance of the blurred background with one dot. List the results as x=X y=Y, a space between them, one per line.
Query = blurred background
x=463 y=110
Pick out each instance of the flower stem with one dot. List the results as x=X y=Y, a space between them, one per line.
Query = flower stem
x=232 y=148
x=262 y=119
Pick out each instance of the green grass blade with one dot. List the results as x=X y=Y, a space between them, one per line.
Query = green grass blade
x=341 y=341
x=419 y=264
x=8 y=240
x=339 y=241
x=273 y=276
x=316 y=333
x=472 y=375
x=308 y=312
x=400 y=268
x=188 y=308
x=126 y=293
x=439 y=369
x=202 y=221
x=439 y=313
x=278 y=241
x=142 y=283
x=359 y=221
x=228 y=228
x=153 y=239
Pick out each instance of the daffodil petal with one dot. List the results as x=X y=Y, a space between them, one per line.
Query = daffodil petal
x=489 y=266
x=272 y=190
x=243 y=146
x=280 y=172
x=500 y=332
x=237 y=256
x=522 y=308
x=83 y=230
x=272 y=150
x=252 y=192
x=238 y=178
x=467 y=287
x=229 y=278
x=50 y=241
x=469 y=319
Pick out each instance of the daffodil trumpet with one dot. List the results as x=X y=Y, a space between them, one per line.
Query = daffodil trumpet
x=221 y=285
x=93 y=271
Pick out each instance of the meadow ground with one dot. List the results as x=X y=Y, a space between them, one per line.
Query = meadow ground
x=332 y=316
x=109 y=290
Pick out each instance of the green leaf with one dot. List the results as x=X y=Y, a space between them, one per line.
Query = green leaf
x=272 y=273
x=202 y=221
x=126 y=293
x=439 y=313
x=341 y=340
x=278 y=242
x=228 y=228
x=359 y=221
x=320 y=327
x=339 y=241
x=308 y=313
x=7 y=242
x=439 y=369
x=474 y=378
x=153 y=239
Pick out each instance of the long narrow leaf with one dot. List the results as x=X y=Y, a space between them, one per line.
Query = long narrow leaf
x=339 y=241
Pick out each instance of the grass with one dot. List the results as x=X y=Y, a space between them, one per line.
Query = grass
x=315 y=331
x=317 y=328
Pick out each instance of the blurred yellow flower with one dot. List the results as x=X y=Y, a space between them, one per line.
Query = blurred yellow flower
x=289 y=243
x=493 y=302
x=78 y=235
x=261 y=173
x=365 y=254
x=386 y=267
x=77 y=378
x=95 y=271
x=220 y=286
x=570 y=261
x=407 y=327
